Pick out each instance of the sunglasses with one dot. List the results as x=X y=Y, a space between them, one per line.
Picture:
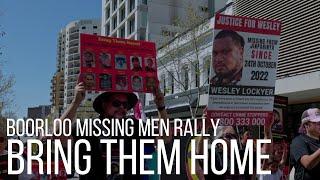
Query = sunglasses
x=2 y=139
x=118 y=103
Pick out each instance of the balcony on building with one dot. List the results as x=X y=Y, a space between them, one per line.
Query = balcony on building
x=73 y=50
x=73 y=73
x=73 y=42
x=73 y=34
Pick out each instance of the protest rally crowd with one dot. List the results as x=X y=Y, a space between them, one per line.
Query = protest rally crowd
x=304 y=149
x=300 y=157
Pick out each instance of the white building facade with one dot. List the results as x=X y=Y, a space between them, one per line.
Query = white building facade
x=184 y=76
x=151 y=20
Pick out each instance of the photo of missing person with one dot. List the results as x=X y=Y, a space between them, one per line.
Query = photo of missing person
x=105 y=81
x=121 y=82
x=105 y=60
x=150 y=65
x=120 y=61
x=136 y=83
x=88 y=59
x=278 y=120
x=89 y=81
x=150 y=84
x=227 y=58
x=136 y=63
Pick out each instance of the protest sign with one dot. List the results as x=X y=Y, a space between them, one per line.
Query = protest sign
x=117 y=65
x=279 y=114
x=243 y=72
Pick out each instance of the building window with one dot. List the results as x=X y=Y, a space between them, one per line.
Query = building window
x=171 y=83
x=185 y=76
x=197 y=74
x=115 y=5
x=132 y=4
x=107 y=12
x=83 y=27
x=131 y=26
x=114 y=21
x=144 y=19
x=122 y=32
x=122 y=14
x=145 y=2
x=95 y=27
x=206 y=69
x=163 y=84
x=107 y=29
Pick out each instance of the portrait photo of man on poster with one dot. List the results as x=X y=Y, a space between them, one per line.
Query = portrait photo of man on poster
x=88 y=59
x=121 y=62
x=136 y=63
x=105 y=60
x=227 y=58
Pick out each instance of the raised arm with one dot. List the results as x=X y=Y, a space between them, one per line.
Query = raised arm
x=71 y=111
x=284 y=157
x=311 y=161
x=268 y=148
x=162 y=112
x=79 y=95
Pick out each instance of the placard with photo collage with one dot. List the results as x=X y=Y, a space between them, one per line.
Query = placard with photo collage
x=117 y=65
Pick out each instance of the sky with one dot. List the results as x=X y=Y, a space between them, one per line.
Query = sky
x=30 y=44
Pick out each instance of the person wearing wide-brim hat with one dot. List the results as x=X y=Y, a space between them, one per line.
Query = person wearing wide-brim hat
x=305 y=148
x=114 y=104
x=110 y=105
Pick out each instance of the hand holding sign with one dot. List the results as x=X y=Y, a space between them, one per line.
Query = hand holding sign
x=242 y=82
x=79 y=93
x=158 y=98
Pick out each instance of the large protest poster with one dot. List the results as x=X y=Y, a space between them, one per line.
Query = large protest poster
x=117 y=65
x=280 y=133
x=243 y=73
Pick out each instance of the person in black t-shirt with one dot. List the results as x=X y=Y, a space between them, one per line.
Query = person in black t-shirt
x=305 y=148
x=110 y=105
